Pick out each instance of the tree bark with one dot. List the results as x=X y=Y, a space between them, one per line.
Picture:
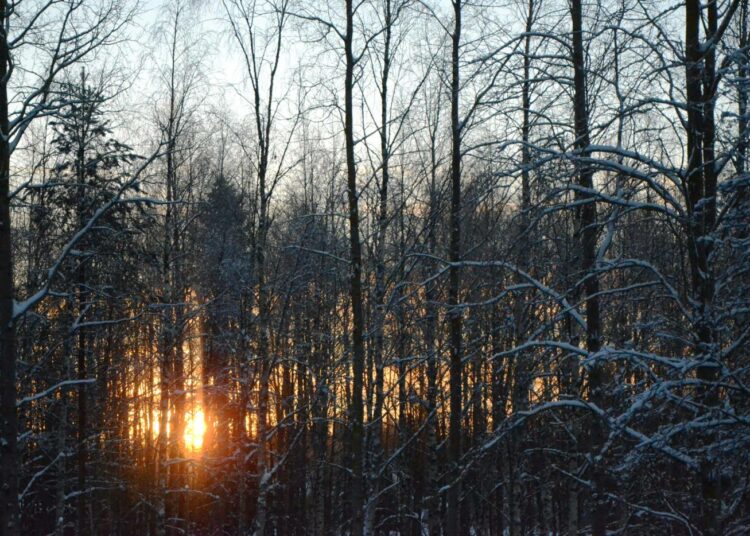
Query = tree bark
x=9 y=520
x=454 y=283
x=80 y=290
x=379 y=312
x=587 y=225
x=701 y=210
x=355 y=285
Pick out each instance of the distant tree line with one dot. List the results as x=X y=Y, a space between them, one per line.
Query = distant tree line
x=434 y=268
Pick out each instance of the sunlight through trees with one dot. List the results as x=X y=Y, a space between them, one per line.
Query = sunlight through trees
x=374 y=268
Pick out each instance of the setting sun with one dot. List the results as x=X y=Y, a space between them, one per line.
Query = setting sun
x=195 y=427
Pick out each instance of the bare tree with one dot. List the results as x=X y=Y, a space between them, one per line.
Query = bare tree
x=454 y=312
x=262 y=52
x=65 y=34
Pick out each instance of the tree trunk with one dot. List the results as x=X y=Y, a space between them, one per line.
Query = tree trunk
x=587 y=226
x=454 y=313
x=355 y=287
x=742 y=72
x=522 y=370
x=80 y=290
x=9 y=521
x=82 y=409
x=264 y=358
x=701 y=185
x=379 y=312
